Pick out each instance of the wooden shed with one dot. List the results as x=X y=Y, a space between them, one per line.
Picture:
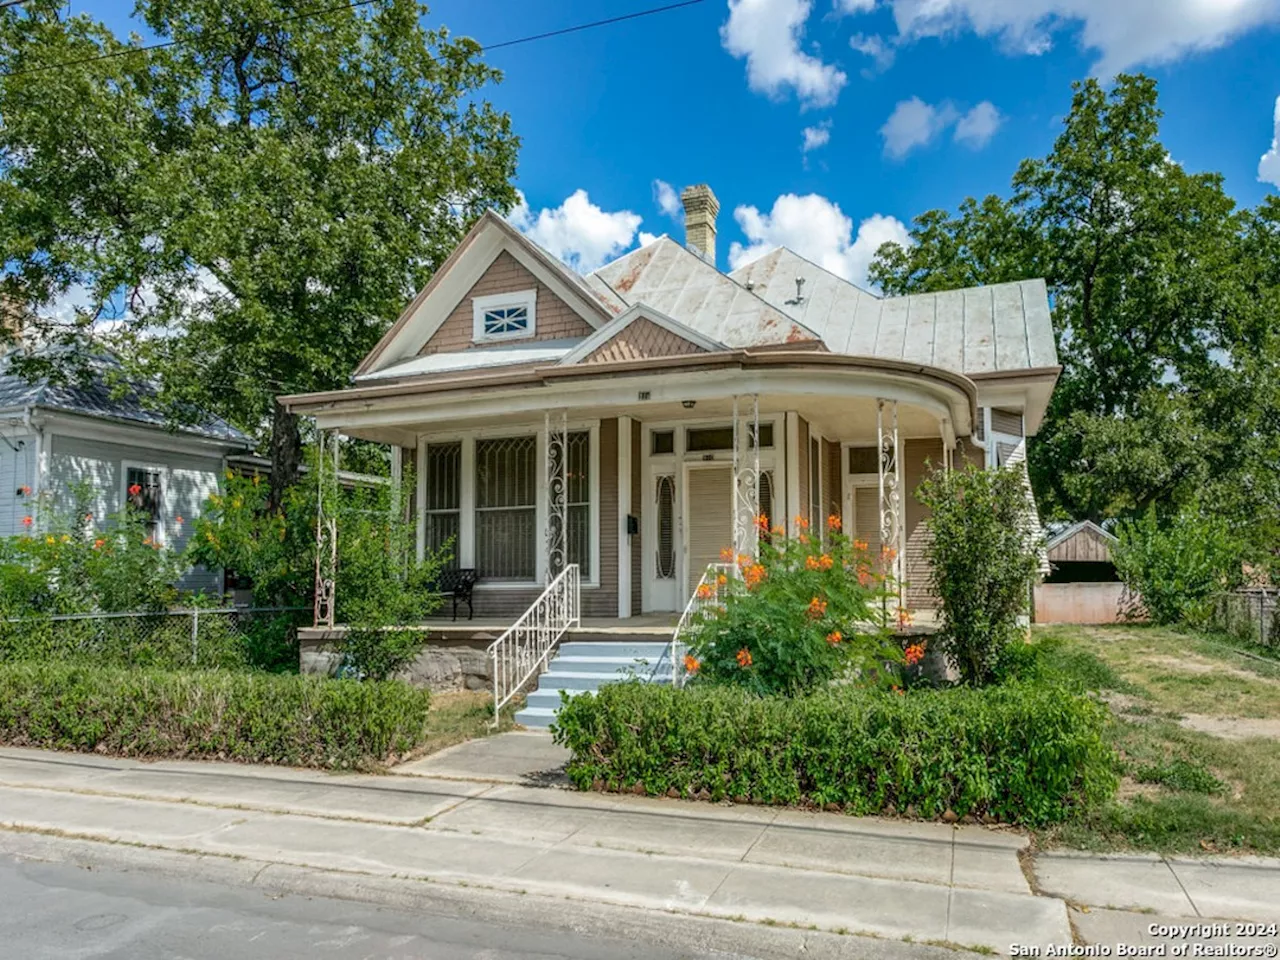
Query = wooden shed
x=1082 y=585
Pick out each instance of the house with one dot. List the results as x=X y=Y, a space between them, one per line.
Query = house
x=635 y=421
x=99 y=431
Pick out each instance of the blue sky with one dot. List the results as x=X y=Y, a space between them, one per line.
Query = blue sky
x=723 y=93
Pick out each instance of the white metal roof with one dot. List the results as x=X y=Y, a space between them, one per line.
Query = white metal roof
x=531 y=351
x=996 y=328
x=669 y=278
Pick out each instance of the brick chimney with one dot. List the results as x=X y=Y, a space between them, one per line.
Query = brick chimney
x=700 y=209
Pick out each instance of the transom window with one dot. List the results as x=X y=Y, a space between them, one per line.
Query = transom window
x=504 y=316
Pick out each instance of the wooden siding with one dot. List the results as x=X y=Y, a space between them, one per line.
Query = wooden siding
x=802 y=470
x=189 y=482
x=831 y=478
x=554 y=319
x=640 y=339
x=637 y=510
x=603 y=601
x=918 y=458
x=1086 y=545
x=17 y=470
x=1006 y=421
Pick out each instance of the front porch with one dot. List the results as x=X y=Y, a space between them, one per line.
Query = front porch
x=643 y=504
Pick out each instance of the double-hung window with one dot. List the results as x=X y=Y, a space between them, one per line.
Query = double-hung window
x=144 y=493
x=442 y=504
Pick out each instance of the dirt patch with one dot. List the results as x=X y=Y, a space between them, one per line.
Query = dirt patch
x=1232 y=728
x=1132 y=788
x=1202 y=665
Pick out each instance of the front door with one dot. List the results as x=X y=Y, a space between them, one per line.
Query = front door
x=662 y=542
x=708 y=512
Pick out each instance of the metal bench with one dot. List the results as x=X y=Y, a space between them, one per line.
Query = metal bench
x=458 y=584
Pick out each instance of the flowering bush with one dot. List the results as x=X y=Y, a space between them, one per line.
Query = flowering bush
x=803 y=612
x=68 y=561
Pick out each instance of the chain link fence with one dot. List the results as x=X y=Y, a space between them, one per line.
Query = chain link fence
x=1252 y=615
x=221 y=637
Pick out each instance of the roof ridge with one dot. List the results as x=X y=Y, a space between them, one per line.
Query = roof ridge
x=831 y=273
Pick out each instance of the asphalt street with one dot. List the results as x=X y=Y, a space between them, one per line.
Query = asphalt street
x=53 y=911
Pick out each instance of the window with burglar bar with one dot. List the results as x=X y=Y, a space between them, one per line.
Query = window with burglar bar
x=443 y=500
x=578 y=502
x=145 y=494
x=506 y=479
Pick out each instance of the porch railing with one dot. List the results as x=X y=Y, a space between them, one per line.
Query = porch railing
x=522 y=652
x=704 y=595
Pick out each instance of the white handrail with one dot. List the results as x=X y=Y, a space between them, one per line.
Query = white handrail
x=524 y=649
x=699 y=600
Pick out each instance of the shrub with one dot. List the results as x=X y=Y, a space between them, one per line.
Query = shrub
x=255 y=717
x=982 y=556
x=803 y=612
x=1022 y=753
x=1176 y=569
x=69 y=561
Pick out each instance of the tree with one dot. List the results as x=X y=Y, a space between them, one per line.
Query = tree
x=254 y=203
x=1141 y=259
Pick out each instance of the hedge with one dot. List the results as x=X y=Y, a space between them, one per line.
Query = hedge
x=1017 y=753
x=264 y=718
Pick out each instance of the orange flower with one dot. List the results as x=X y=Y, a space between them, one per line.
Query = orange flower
x=825 y=561
x=24 y=490
x=135 y=489
x=178 y=520
x=744 y=559
x=817 y=608
x=99 y=544
x=691 y=663
x=864 y=577
x=914 y=653
x=27 y=521
x=753 y=575
x=722 y=580
x=744 y=658
x=888 y=553
x=778 y=531
x=762 y=523
x=704 y=591
x=833 y=522
x=811 y=563
x=897 y=689
x=802 y=522
x=834 y=637
x=803 y=538
x=904 y=617
x=859 y=544
x=726 y=554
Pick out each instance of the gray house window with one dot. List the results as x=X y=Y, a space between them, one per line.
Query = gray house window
x=144 y=492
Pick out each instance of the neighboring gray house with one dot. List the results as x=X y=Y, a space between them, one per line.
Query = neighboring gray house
x=54 y=435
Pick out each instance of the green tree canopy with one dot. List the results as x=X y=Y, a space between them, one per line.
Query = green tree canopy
x=1164 y=300
x=255 y=202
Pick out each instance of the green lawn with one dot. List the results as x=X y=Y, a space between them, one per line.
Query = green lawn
x=1198 y=730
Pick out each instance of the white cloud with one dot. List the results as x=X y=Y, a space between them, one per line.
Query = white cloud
x=1269 y=165
x=768 y=34
x=1124 y=33
x=979 y=125
x=665 y=196
x=854 y=6
x=874 y=46
x=914 y=123
x=818 y=230
x=815 y=137
x=577 y=232
x=644 y=238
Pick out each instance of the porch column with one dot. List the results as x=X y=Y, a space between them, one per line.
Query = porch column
x=746 y=473
x=890 y=470
x=326 y=527
x=557 y=485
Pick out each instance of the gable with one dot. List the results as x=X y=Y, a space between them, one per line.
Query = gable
x=556 y=320
x=639 y=340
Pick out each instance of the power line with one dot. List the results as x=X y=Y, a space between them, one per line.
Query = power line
x=598 y=23
x=129 y=51
x=325 y=12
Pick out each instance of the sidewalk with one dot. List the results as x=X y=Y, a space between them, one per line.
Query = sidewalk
x=468 y=817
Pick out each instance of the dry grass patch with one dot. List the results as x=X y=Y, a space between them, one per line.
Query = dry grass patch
x=458 y=717
x=1197 y=776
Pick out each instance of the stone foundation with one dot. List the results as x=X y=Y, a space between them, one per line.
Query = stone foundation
x=443 y=666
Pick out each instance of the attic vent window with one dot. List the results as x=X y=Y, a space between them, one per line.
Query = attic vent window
x=504 y=316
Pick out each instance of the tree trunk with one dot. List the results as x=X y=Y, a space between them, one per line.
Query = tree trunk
x=286 y=452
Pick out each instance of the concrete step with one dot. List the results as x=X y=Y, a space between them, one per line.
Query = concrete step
x=628 y=649
x=535 y=718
